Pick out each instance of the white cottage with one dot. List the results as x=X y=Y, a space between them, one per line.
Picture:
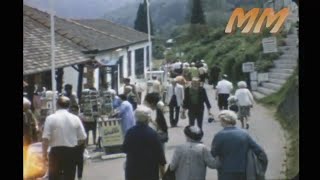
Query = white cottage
x=112 y=49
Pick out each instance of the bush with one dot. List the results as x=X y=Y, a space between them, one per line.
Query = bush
x=158 y=51
x=228 y=64
x=271 y=56
x=264 y=65
x=237 y=74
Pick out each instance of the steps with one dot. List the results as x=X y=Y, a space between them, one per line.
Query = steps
x=277 y=81
x=276 y=70
x=258 y=95
x=272 y=86
x=266 y=91
x=283 y=68
x=283 y=76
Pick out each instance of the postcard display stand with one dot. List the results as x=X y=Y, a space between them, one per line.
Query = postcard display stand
x=90 y=105
x=110 y=131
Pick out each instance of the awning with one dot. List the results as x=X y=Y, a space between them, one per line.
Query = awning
x=109 y=62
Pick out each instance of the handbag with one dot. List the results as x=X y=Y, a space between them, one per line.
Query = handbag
x=210 y=119
x=163 y=136
x=169 y=174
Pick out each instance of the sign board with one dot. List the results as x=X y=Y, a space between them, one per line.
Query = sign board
x=262 y=77
x=111 y=133
x=248 y=67
x=269 y=45
x=254 y=76
x=254 y=85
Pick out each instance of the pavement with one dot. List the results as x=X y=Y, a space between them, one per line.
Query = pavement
x=263 y=128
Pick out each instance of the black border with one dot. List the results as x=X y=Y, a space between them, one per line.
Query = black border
x=12 y=74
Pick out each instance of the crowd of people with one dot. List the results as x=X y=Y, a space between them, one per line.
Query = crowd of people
x=145 y=129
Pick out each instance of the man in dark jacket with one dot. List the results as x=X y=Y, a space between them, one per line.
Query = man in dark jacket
x=142 y=145
x=195 y=97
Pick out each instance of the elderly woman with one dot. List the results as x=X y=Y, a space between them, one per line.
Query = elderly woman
x=125 y=113
x=245 y=102
x=145 y=155
x=231 y=145
x=190 y=160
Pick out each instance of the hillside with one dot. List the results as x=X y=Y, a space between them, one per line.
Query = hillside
x=229 y=51
x=165 y=15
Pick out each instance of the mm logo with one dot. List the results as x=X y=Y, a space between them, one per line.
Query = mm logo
x=252 y=15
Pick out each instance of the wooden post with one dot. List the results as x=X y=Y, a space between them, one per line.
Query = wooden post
x=59 y=78
x=80 y=79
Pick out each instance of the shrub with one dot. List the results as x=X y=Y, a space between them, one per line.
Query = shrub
x=228 y=63
x=264 y=65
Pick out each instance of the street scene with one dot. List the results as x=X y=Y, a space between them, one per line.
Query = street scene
x=159 y=90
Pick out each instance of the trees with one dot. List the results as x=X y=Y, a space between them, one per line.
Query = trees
x=141 y=22
x=198 y=21
x=197 y=16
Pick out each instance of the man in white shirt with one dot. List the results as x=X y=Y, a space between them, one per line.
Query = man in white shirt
x=63 y=131
x=223 y=90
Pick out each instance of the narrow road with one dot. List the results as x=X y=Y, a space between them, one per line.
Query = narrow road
x=263 y=128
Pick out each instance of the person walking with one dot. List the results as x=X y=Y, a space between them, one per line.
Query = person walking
x=245 y=102
x=223 y=91
x=30 y=124
x=153 y=101
x=126 y=82
x=125 y=113
x=194 y=71
x=190 y=160
x=145 y=156
x=63 y=131
x=174 y=98
x=79 y=159
x=68 y=93
x=214 y=75
x=202 y=75
x=195 y=98
x=232 y=145
x=131 y=97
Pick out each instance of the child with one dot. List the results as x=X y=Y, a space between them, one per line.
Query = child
x=233 y=106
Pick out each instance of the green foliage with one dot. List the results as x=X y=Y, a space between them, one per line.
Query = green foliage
x=227 y=65
x=171 y=55
x=263 y=66
x=157 y=51
x=229 y=50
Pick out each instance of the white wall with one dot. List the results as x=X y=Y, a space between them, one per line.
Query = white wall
x=70 y=76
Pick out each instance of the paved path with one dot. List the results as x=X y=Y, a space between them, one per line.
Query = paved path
x=263 y=128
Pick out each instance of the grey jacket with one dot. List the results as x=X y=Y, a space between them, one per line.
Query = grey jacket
x=256 y=165
x=190 y=161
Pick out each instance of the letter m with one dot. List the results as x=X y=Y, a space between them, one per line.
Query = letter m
x=268 y=14
x=239 y=13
